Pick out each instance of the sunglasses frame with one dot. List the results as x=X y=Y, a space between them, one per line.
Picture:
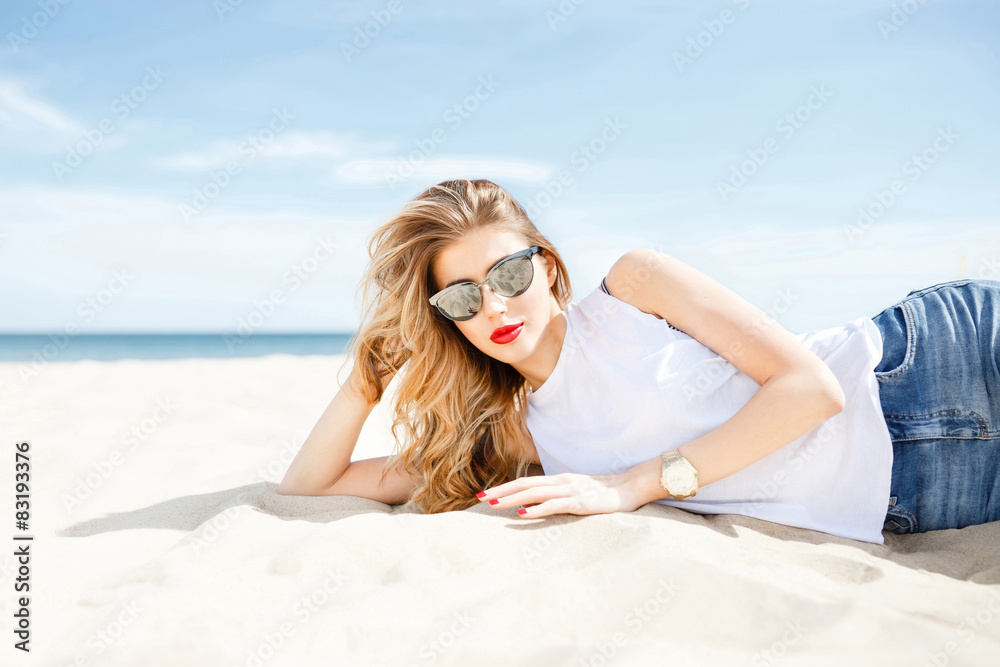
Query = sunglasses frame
x=527 y=252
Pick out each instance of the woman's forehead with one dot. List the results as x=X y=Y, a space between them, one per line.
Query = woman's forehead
x=469 y=260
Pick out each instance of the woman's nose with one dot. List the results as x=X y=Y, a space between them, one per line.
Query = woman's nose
x=492 y=300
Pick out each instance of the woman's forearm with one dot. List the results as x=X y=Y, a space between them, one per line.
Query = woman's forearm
x=327 y=451
x=785 y=408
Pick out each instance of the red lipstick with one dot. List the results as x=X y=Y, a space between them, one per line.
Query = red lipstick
x=506 y=334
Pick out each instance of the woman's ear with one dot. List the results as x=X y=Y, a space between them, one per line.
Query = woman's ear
x=551 y=270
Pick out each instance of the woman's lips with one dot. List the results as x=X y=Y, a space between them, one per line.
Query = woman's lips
x=506 y=334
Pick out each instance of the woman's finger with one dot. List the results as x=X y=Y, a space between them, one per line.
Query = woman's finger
x=519 y=484
x=562 y=505
x=532 y=495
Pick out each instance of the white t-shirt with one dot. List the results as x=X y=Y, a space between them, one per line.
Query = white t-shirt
x=628 y=386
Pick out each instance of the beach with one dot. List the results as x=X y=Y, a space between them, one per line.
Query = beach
x=159 y=538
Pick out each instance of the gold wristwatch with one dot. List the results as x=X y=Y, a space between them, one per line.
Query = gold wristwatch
x=677 y=476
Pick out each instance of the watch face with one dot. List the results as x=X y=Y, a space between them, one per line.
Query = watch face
x=679 y=479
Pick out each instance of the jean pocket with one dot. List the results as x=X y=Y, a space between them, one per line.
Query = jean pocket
x=910 y=353
x=899 y=520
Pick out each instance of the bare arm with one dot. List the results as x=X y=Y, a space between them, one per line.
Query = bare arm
x=786 y=407
x=798 y=390
x=323 y=465
x=363 y=479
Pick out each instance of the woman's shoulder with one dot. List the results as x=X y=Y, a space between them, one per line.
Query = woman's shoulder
x=622 y=279
x=625 y=274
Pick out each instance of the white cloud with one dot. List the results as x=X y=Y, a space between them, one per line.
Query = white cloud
x=292 y=144
x=338 y=154
x=17 y=105
x=383 y=171
x=44 y=205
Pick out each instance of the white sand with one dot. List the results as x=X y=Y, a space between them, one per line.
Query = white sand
x=180 y=551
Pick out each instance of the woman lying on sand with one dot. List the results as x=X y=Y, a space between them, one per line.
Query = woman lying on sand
x=661 y=385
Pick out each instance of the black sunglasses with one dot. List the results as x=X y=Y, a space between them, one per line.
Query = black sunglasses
x=510 y=276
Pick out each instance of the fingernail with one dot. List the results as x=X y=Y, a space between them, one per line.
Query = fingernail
x=494 y=501
x=481 y=494
x=522 y=511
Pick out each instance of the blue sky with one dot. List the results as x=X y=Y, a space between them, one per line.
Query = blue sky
x=202 y=166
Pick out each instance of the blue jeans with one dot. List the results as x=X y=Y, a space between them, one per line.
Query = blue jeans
x=939 y=385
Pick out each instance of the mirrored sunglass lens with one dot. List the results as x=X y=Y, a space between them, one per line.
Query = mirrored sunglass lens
x=513 y=277
x=462 y=302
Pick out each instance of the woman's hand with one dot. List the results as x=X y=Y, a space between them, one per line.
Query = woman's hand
x=565 y=493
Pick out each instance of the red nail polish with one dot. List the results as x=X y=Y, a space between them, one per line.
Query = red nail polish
x=522 y=511
x=494 y=501
x=481 y=494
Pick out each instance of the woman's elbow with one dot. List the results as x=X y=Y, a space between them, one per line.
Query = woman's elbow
x=834 y=399
x=287 y=488
x=830 y=393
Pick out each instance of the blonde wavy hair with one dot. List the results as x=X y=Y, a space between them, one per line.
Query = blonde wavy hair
x=460 y=411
